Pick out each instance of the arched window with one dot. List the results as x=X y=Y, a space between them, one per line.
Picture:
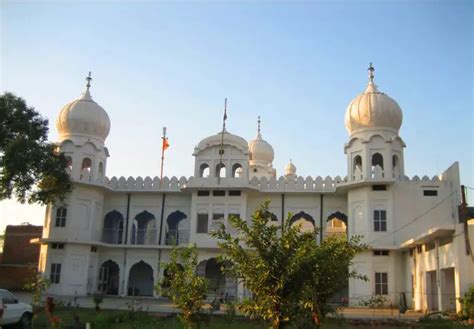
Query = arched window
x=357 y=163
x=377 y=160
x=101 y=170
x=237 y=170
x=220 y=170
x=86 y=168
x=113 y=227
x=395 y=163
x=204 y=170
x=144 y=228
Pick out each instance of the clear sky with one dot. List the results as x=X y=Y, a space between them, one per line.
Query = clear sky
x=297 y=64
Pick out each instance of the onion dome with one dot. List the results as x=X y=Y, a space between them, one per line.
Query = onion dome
x=290 y=169
x=261 y=152
x=83 y=117
x=373 y=109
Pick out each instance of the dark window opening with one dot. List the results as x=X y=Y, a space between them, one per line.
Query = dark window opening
x=379 y=187
x=430 y=193
x=57 y=245
x=419 y=249
x=381 y=252
x=234 y=193
x=218 y=216
x=93 y=248
x=218 y=193
x=203 y=193
x=202 y=223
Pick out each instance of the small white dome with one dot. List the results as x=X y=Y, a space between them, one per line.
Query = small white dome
x=83 y=117
x=373 y=109
x=290 y=169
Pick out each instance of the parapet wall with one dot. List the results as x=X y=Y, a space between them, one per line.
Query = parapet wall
x=288 y=184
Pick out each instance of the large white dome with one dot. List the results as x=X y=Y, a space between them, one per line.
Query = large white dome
x=261 y=150
x=83 y=117
x=373 y=109
x=228 y=139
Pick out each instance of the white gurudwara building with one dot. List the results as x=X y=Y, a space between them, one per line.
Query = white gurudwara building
x=110 y=235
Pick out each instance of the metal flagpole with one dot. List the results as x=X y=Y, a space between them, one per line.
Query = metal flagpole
x=221 y=151
x=163 y=141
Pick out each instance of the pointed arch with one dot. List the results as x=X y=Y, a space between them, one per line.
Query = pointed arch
x=113 y=227
x=204 y=170
x=237 y=170
x=109 y=278
x=144 y=228
x=337 y=215
x=221 y=170
x=377 y=160
x=140 y=280
x=302 y=215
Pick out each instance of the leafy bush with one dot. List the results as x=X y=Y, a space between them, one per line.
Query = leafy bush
x=468 y=304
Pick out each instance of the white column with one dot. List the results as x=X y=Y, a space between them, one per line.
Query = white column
x=438 y=277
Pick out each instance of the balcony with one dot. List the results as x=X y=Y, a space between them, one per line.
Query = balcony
x=177 y=237
x=144 y=237
x=112 y=235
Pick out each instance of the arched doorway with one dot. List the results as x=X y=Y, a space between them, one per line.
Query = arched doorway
x=174 y=235
x=221 y=286
x=140 y=280
x=109 y=278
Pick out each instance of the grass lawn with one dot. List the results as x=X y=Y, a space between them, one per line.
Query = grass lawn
x=108 y=319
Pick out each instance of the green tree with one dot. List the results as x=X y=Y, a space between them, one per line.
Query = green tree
x=186 y=288
x=30 y=168
x=290 y=275
x=37 y=286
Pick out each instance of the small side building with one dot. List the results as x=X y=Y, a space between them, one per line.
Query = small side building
x=19 y=261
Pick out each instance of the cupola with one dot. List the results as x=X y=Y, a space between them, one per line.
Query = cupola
x=83 y=117
x=373 y=110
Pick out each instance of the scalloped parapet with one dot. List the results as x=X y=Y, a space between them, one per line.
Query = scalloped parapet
x=146 y=184
x=296 y=184
x=281 y=184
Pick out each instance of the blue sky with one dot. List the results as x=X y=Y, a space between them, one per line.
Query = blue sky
x=297 y=64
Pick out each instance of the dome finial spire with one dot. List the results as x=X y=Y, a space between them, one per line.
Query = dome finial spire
x=88 y=79
x=371 y=70
x=258 y=123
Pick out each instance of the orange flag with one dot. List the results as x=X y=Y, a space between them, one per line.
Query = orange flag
x=165 y=143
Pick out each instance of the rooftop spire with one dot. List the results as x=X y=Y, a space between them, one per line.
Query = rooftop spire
x=371 y=72
x=88 y=79
x=258 y=121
